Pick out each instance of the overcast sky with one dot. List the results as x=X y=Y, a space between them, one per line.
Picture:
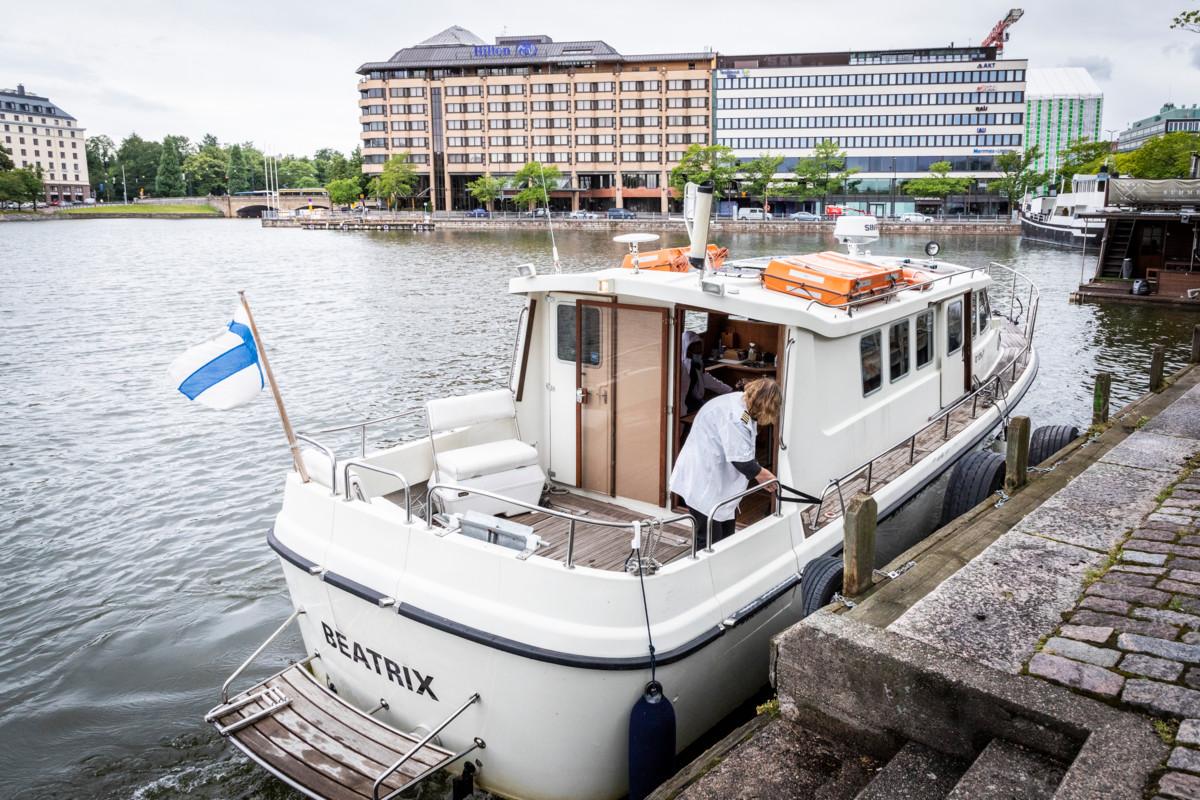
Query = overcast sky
x=282 y=73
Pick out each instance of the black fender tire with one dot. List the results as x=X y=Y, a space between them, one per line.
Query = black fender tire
x=975 y=476
x=822 y=579
x=1048 y=440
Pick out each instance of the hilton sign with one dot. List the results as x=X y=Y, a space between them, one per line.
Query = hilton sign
x=522 y=50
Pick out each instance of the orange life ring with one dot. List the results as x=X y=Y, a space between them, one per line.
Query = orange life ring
x=916 y=279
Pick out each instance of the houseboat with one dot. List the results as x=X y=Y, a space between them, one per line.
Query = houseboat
x=512 y=594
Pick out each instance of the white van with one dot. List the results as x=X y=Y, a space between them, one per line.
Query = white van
x=751 y=214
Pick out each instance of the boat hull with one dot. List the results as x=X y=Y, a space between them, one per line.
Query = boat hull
x=1058 y=234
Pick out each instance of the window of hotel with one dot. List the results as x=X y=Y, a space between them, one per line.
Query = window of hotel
x=870 y=352
x=924 y=338
x=954 y=327
x=898 y=347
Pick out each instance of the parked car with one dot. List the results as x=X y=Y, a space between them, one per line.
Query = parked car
x=621 y=213
x=583 y=215
x=478 y=212
x=805 y=216
x=537 y=212
x=914 y=217
x=754 y=214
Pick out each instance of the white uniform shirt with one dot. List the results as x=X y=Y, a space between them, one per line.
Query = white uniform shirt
x=704 y=475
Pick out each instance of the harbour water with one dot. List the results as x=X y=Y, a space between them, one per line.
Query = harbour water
x=133 y=571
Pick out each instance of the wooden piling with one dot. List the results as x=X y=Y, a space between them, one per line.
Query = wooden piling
x=1100 y=400
x=858 y=552
x=1157 y=356
x=1016 y=460
x=1195 y=357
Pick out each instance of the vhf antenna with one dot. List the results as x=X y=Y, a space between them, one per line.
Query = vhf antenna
x=549 y=219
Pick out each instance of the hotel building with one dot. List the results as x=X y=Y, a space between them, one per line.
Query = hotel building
x=893 y=112
x=614 y=125
x=1063 y=105
x=37 y=133
x=1169 y=119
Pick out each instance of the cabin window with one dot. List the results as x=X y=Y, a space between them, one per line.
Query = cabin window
x=924 y=338
x=695 y=321
x=871 y=350
x=566 y=334
x=898 y=346
x=983 y=311
x=954 y=327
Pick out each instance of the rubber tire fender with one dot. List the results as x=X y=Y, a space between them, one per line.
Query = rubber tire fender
x=821 y=580
x=1048 y=440
x=975 y=476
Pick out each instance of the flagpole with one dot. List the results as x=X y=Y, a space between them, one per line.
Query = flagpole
x=283 y=417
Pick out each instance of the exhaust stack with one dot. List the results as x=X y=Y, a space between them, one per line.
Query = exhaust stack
x=698 y=257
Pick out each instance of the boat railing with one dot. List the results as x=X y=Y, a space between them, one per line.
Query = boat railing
x=353 y=464
x=993 y=387
x=708 y=525
x=362 y=426
x=329 y=454
x=572 y=519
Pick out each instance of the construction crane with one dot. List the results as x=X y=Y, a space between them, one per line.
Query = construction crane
x=999 y=34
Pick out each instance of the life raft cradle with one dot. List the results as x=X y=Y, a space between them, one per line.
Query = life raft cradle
x=320 y=745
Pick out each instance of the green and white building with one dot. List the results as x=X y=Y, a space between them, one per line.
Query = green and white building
x=1063 y=105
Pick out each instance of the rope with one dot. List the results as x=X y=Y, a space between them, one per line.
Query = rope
x=801 y=497
x=645 y=607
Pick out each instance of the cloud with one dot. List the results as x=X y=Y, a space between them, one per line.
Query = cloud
x=1196 y=56
x=1100 y=67
x=127 y=100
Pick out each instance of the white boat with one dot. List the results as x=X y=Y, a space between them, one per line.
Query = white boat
x=1061 y=218
x=522 y=641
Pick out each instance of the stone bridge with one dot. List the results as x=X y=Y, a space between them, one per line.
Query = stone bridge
x=252 y=205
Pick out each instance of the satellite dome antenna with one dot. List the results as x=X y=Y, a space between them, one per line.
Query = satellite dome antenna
x=633 y=240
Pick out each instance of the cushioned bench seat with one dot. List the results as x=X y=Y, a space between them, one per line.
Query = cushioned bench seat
x=485 y=459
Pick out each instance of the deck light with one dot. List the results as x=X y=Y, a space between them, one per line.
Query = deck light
x=526 y=270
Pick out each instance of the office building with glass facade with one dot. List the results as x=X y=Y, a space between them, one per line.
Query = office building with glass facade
x=1063 y=105
x=1169 y=119
x=893 y=113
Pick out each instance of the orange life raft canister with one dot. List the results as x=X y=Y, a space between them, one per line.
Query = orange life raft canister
x=673 y=259
x=830 y=278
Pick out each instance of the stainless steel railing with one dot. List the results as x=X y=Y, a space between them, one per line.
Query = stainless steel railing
x=362 y=426
x=328 y=454
x=573 y=519
x=391 y=473
x=758 y=487
x=995 y=385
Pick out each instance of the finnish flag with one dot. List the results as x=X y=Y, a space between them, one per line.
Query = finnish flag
x=223 y=372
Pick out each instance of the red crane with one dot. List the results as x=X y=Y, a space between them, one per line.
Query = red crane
x=999 y=34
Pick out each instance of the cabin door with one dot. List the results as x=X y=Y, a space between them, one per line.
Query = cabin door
x=953 y=347
x=621 y=398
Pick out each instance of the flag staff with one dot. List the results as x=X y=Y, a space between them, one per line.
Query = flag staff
x=283 y=417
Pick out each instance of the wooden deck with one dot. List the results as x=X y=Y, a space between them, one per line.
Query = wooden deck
x=322 y=746
x=895 y=462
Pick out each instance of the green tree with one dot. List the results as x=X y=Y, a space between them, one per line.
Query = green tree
x=237 y=175
x=296 y=173
x=1083 y=157
x=1188 y=21
x=397 y=180
x=209 y=141
x=206 y=169
x=485 y=189
x=938 y=183
x=12 y=186
x=533 y=183
x=140 y=159
x=758 y=176
x=824 y=172
x=22 y=185
x=6 y=162
x=355 y=169
x=343 y=191
x=168 y=182
x=701 y=163
x=1166 y=156
x=1017 y=175
x=101 y=156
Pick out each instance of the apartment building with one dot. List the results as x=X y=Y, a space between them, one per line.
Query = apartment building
x=614 y=125
x=40 y=134
x=1063 y=105
x=893 y=112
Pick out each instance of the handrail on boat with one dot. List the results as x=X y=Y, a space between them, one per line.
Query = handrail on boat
x=478 y=743
x=228 y=681
x=995 y=384
x=364 y=424
x=758 y=487
x=328 y=454
x=569 y=559
x=391 y=473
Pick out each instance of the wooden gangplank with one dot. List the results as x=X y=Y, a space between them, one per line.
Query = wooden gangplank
x=317 y=743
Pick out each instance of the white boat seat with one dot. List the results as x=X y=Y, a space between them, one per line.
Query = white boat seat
x=479 y=460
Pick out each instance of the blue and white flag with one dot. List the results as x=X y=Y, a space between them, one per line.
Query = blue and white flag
x=223 y=372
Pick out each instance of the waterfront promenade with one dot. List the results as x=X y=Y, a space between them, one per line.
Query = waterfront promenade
x=1045 y=644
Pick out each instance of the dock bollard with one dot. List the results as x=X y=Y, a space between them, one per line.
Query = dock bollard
x=1156 y=367
x=1195 y=358
x=1016 y=460
x=1101 y=398
x=858 y=551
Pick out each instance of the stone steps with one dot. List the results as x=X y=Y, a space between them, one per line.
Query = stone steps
x=916 y=772
x=1006 y=771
